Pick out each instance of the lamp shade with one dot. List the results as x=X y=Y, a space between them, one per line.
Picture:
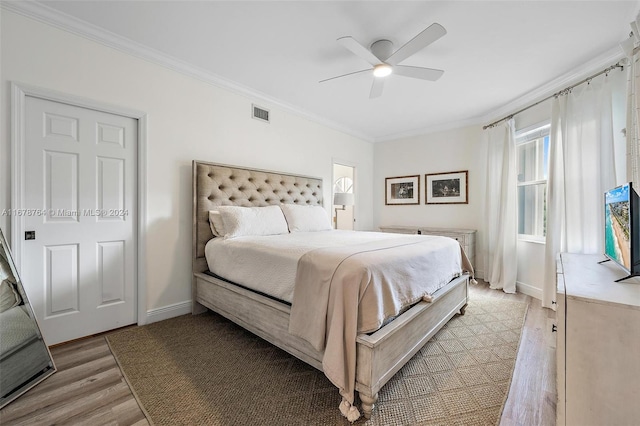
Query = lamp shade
x=343 y=199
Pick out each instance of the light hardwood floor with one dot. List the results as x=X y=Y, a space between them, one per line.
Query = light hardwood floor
x=89 y=388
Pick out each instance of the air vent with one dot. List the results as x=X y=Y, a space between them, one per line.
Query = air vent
x=260 y=113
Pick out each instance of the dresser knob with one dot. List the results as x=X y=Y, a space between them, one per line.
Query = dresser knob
x=553 y=302
x=554 y=328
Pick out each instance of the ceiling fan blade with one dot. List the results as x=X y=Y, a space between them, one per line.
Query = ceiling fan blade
x=419 y=42
x=376 y=87
x=358 y=49
x=418 y=72
x=344 y=75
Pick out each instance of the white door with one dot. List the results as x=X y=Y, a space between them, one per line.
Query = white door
x=80 y=207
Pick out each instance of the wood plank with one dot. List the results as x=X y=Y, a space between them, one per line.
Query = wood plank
x=88 y=389
x=102 y=416
x=64 y=377
x=57 y=395
x=128 y=412
x=79 y=357
x=76 y=406
x=532 y=394
x=76 y=345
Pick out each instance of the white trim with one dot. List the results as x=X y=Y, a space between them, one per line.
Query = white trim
x=17 y=172
x=529 y=290
x=596 y=64
x=532 y=239
x=169 y=311
x=477 y=121
x=143 y=317
x=19 y=92
x=606 y=59
x=531 y=133
x=544 y=124
x=43 y=13
x=532 y=182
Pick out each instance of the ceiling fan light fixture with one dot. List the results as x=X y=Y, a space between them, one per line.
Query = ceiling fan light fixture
x=382 y=70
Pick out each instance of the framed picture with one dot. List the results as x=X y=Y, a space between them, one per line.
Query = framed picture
x=402 y=190
x=447 y=188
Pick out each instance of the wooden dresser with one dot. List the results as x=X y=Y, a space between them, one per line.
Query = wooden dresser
x=466 y=237
x=598 y=343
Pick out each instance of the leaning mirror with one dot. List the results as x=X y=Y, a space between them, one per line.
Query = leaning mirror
x=25 y=359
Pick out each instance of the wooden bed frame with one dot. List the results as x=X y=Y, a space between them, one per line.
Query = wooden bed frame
x=378 y=355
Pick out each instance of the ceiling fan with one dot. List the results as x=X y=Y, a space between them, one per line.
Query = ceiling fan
x=385 y=61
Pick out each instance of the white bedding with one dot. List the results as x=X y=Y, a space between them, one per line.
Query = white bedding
x=268 y=264
x=343 y=291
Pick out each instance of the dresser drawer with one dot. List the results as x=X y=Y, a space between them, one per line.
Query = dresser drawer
x=466 y=237
x=400 y=229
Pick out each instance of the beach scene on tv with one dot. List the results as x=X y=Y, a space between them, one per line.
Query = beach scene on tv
x=617 y=225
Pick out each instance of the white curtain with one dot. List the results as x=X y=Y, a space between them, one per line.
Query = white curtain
x=501 y=239
x=581 y=168
x=633 y=150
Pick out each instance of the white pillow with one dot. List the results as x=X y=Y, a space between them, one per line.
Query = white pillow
x=306 y=218
x=215 y=221
x=240 y=221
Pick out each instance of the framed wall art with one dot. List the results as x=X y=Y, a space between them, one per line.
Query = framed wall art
x=402 y=190
x=447 y=188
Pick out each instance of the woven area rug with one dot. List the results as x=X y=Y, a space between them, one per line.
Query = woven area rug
x=205 y=370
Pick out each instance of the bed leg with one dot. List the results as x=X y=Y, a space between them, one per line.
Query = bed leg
x=368 y=402
x=464 y=308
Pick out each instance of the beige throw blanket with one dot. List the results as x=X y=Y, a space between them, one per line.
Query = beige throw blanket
x=343 y=291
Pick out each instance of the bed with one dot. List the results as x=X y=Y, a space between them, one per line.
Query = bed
x=379 y=354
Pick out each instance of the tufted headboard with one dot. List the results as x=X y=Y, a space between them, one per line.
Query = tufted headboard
x=222 y=185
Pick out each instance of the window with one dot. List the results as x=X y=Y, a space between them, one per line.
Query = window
x=532 y=156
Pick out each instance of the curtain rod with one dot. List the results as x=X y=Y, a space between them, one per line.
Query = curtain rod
x=560 y=93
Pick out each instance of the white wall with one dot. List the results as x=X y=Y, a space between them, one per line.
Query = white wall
x=187 y=119
x=531 y=254
x=447 y=151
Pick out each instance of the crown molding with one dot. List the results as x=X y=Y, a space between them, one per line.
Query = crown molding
x=602 y=61
x=431 y=129
x=595 y=65
x=47 y=15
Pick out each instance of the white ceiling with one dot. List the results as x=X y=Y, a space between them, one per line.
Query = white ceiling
x=493 y=53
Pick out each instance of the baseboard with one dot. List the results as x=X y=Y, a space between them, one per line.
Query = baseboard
x=169 y=311
x=478 y=273
x=529 y=290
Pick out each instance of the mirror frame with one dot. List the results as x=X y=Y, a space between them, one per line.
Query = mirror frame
x=47 y=371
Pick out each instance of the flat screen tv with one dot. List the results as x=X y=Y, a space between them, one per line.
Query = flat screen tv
x=622 y=228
